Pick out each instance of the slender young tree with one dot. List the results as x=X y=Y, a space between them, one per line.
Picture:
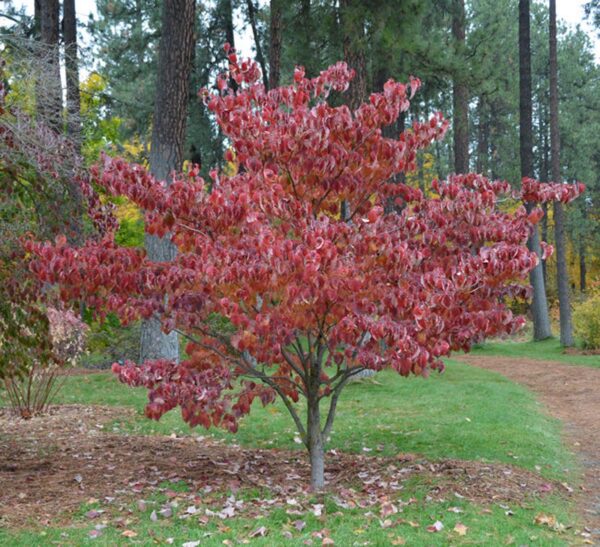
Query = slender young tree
x=168 y=136
x=460 y=94
x=539 y=305
x=562 y=276
x=260 y=58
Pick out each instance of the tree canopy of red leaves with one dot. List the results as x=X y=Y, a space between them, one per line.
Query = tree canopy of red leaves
x=277 y=291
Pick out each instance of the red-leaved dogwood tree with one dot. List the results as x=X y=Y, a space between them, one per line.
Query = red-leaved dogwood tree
x=281 y=295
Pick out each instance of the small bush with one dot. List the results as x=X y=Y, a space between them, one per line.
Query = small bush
x=586 y=318
x=32 y=393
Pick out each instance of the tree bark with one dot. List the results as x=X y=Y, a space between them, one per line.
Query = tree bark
x=582 y=268
x=72 y=71
x=275 y=41
x=168 y=135
x=562 y=275
x=460 y=93
x=49 y=87
x=227 y=11
x=539 y=305
x=354 y=50
x=316 y=446
x=483 y=138
x=259 y=54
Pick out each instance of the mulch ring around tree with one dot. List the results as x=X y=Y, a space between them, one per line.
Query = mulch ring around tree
x=51 y=465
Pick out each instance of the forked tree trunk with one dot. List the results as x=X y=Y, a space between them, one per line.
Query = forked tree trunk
x=168 y=134
x=539 y=305
x=562 y=275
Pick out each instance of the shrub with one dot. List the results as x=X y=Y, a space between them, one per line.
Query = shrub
x=586 y=318
x=32 y=393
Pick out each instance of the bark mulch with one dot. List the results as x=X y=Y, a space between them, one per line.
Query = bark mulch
x=51 y=465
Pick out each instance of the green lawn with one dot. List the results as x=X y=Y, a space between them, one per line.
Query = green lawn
x=465 y=413
x=546 y=350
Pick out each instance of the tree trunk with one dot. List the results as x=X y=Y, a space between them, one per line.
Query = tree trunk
x=259 y=54
x=303 y=29
x=227 y=12
x=562 y=275
x=460 y=93
x=72 y=71
x=168 y=134
x=483 y=138
x=354 y=50
x=49 y=87
x=315 y=445
x=582 y=268
x=539 y=306
x=544 y=177
x=275 y=41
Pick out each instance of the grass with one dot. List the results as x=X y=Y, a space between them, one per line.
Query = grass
x=466 y=413
x=546 y=350
x=485 y=526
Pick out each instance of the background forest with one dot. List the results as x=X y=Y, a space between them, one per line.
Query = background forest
x=465 y=53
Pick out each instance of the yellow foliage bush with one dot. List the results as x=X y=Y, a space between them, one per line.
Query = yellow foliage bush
x=586 y=318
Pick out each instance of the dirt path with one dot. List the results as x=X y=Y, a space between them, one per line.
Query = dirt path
x=571 y=394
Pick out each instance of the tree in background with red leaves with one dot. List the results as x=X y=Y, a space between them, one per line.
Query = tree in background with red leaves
x=278 y=294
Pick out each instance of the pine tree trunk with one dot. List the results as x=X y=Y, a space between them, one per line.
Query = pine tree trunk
x=73 y=113
x=168 y=134
x=562 y=275
x=72 y=71
x=315 y=445
x=275 y=44
x=354 y=50
x=539 y=305
x=460 y=93
x=582 y=268
x=49 y=86
x=544 y=177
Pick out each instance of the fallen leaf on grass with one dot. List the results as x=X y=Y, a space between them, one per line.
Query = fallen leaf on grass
x=543 y=519
x=437 y=526
x=94 y=534
x=259 y=532
x=398 y=541
x=129 y=534
x=455 y=510
x=153 y=516
x=318 y=509
x=388 y=509
x=299 y=525
x=461 y=529
x=190 y=544
x=328 y=541
x=387 y=523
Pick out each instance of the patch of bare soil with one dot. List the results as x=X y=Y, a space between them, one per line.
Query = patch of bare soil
x=571 y=394
x=50 y=465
